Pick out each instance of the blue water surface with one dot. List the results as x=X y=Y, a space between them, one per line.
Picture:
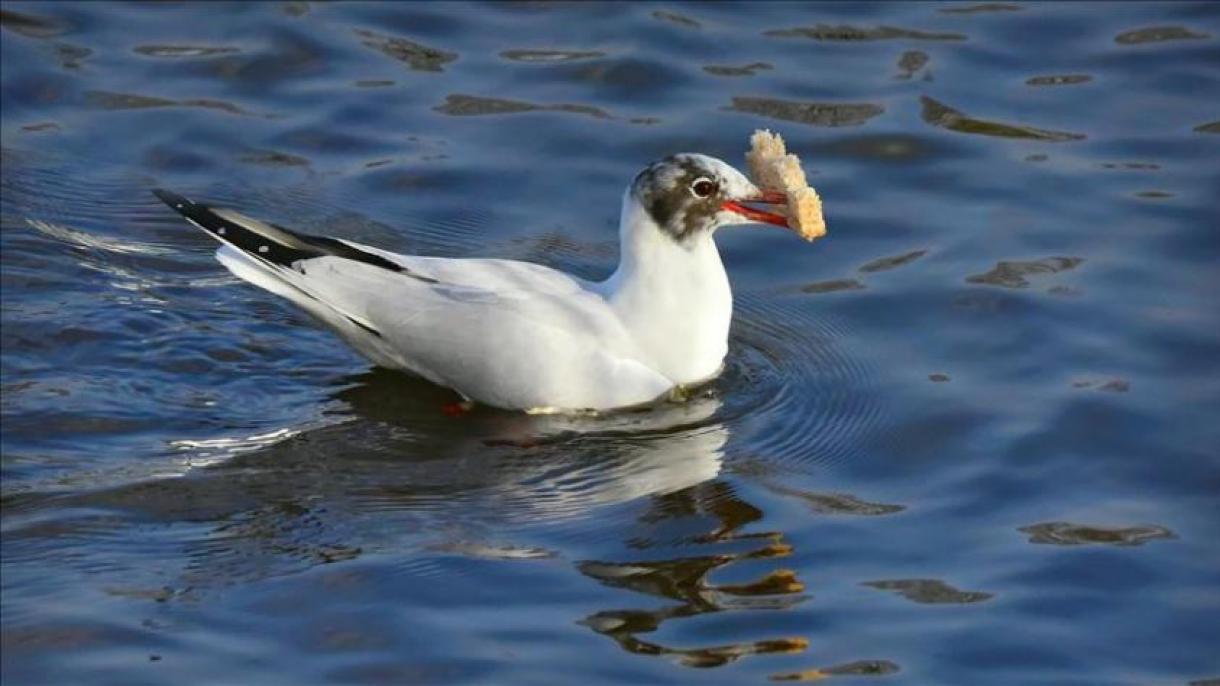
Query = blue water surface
x=968 y=438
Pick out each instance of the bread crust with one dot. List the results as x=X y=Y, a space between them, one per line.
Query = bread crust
x=773 y=168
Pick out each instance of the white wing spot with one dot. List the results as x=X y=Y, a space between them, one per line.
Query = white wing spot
x=221 y=231
x=263 y=248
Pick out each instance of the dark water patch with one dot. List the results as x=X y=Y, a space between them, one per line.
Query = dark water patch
x=941 y=115
x=41 y=126
x=417 y=56
x=882 y=264
x=107 y=100
x=183 y=51
x=163 y=594
x=274 y=158
x=126 y=101
x=837 y=503
x=847 y=33
x=372 y=83
x=910 y=62
x=1067 y=533
x=983 y=8
x=929 y=591
x=1064 y=291
x=744 y=70
x=1210 y=127
x=1036 y=157
x=295 y=8
x=938 y=378
x=31 y=25
x=458 y=105
x=1011 y=274
x=1058 y=80
x=677 y=19
x=550 y=56
x=71 y=56
x=1158 y=34
x=856 y=668
x=833 y=286
x=812 y=113
x=1110 y=386
x=1154 y=195
x=1132 y=166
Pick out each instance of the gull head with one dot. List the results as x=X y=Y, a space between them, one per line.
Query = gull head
x=691 y=195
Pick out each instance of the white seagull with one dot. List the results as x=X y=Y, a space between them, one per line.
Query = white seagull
x=518 y=335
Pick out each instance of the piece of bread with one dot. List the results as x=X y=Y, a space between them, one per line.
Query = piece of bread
x=764 y=148
x=774 y=169
x=805 y=212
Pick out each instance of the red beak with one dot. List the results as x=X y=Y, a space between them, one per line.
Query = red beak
x=754 y=214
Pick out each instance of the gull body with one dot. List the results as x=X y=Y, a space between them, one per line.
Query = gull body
x=519 y=335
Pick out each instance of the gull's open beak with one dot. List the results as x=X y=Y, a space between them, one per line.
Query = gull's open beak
x=757 y=215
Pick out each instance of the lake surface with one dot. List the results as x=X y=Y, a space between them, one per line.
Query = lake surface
x=971 y=437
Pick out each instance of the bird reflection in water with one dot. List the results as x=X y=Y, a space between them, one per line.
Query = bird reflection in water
x=672 y=455
x=685 y=579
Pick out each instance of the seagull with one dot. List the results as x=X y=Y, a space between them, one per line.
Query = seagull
x=518 y=335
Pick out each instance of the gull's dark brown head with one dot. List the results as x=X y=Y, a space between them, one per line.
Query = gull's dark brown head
x=689 y=195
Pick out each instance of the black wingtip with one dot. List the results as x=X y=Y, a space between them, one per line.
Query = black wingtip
x=172 y=199
x=274 y=244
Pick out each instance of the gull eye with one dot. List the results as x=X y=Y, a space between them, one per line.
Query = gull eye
x=703 y=188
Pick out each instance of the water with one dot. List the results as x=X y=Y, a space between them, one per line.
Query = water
x=968 y=438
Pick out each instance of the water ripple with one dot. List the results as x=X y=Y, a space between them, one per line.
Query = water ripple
x=847 y=33
x=1067 y=533
x=1158 y=34
x=929 y=591
x=801 y=375
x=941 y=115
x=458 y=105
x=415 y=55
x=550 y=56
x=812 y=113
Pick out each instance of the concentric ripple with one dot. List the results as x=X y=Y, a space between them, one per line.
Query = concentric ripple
x=800 y=397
